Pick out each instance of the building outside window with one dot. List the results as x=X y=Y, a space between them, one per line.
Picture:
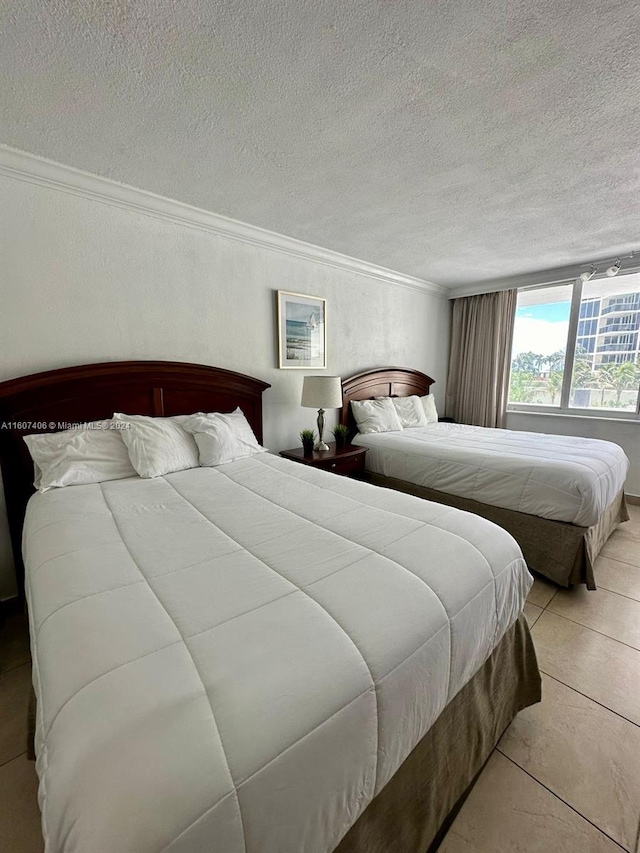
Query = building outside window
x=577 y=347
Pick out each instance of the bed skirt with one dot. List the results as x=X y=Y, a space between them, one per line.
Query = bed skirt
x=562 y=552
x=414 y=809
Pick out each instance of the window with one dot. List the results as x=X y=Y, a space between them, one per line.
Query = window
x=618 y=358
x=577 y=347
x=587 y=327
x=539 y=345
x=587 y=344
x=590 y=308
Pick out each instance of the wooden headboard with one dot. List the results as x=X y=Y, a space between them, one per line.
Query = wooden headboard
x=57 y=399
x=383 y=382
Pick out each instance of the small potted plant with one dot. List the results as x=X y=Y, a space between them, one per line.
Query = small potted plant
x=340 y=433
x=307 y=437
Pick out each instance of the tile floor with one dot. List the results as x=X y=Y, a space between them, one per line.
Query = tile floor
x=565 y=778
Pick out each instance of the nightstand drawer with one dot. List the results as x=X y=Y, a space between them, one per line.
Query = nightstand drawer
x=345 y=465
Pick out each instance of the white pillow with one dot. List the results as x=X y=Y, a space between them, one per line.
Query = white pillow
x=218 y=443
x=158 y=445
x=241 y=427
x=375 y=415
x=429 y=406
x=410 y=411
x=222 y=438
x=75 y=457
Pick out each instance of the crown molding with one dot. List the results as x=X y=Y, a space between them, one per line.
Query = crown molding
x=558 y=275
x=37 y=170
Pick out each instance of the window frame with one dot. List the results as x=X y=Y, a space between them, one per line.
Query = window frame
x=563 y=407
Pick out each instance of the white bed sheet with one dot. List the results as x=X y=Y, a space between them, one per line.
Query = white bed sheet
x=553 y=476
x=238 y=659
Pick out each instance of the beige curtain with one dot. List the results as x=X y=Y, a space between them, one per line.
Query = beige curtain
x=480 y=357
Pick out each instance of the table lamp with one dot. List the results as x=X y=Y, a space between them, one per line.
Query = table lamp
x=321 y=392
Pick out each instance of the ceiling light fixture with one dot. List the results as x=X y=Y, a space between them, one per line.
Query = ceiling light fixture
x=611 y=271
x=615 y=269
x=585 y=276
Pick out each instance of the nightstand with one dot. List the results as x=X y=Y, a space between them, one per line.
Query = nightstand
x=348 y=461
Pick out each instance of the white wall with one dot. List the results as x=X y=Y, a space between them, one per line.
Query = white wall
x=624 y=433
x=82 y=281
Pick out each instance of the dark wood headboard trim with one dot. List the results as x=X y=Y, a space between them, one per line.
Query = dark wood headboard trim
x=46 y=402
x=381 y=382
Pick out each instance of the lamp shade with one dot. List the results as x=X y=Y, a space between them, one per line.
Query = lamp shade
x=322 y=392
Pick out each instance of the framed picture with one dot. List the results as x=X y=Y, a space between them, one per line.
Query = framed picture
x=302 y=331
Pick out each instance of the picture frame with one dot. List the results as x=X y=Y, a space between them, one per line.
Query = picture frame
x=302 y=331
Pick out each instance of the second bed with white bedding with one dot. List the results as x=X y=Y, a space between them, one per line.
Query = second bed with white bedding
x=239 y=659
x=563 y=478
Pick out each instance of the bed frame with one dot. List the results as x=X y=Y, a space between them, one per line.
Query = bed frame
x=563 y=552
x=385 y=382
x=57 y=399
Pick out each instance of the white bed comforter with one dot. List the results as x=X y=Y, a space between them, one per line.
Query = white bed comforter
x=236 y=660
x=554 y=476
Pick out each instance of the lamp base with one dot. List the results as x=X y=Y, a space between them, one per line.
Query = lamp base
x=321 y=445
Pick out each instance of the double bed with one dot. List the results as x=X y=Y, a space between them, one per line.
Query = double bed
x=258 y=656
x=559 y=496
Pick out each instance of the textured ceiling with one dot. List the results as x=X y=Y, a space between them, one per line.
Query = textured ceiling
x=454 y=140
